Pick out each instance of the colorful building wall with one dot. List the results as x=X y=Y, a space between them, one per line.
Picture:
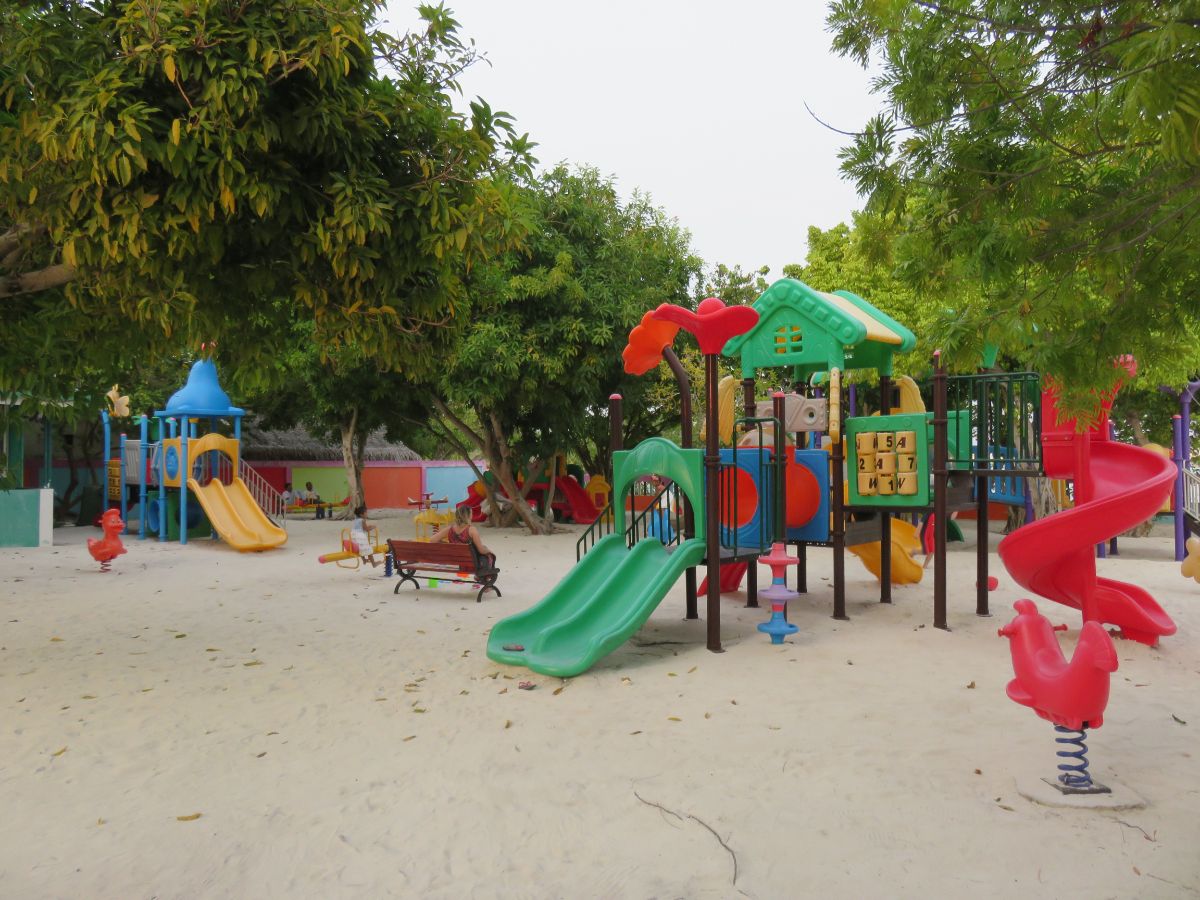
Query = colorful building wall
x=387 y=485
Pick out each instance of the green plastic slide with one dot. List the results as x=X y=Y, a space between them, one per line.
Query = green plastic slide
x=599 y=605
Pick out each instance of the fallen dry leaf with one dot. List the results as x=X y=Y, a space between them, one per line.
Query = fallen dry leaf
x=971 y=686
x=672 y=675
x=634 y=732
x=100 y=822
x=88 y=697
x=59 y=752
x=409 y=738
x=708 y=715
x=212 y=649
x=261 y=755
x=692 y=669
x=502 y=691
x=180 y=635
x=1177 y=719
x=674 y=719
x=508 y=723
x=626 y=680
x=380 y=699
x=253 y=662
x=192 y=818
x=978 y=771
x=557 y=691
x=462 y=693
x=56 y=640
x=1137 y=871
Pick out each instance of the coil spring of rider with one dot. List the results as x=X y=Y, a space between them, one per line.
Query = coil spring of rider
x=1073 y=771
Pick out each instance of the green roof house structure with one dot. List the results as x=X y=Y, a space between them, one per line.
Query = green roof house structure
x=813 y=331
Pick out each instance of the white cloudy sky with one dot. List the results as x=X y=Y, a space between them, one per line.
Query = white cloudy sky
x=700 y=104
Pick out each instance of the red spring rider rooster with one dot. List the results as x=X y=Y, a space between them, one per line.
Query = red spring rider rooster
x=109 y=547
x=1072 y=694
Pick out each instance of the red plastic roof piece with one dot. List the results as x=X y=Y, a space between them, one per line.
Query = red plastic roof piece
x=646 y=343
x=713 y=323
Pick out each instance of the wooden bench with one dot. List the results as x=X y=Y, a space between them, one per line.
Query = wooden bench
x=410 y=557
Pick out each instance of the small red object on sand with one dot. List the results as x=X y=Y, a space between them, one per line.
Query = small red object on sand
x=993 y=583
x=514 y=646
x=526 y=686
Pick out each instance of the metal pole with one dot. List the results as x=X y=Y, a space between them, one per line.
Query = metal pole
x=184 y=472
x=885 y=520
x=144 y=464
x=121 y=482
x=852 y=402
x=981 y=501
x=712 y=459
x=1177 y=451
x=940 y=475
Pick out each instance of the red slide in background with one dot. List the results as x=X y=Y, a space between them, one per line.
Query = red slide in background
x=1117 y=486
x=582 y=509
x=474 y=502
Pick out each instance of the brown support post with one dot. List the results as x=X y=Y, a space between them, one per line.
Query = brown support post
x=885 y=520
x=615 y=426
x=836 y=481
x=940 y=475
x=802 y=569
x=712 y=460
x=751 y=411
x=685 y=438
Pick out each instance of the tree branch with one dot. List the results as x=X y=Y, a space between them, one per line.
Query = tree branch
x=34 y=282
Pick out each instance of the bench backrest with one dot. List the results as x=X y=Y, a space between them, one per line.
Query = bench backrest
x=419 y=551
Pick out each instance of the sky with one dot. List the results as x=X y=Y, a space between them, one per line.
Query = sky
x=699 y=104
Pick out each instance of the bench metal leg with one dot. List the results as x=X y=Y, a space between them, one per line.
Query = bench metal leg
x=406 y=575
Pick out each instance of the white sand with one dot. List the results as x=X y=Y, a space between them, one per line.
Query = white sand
x=341 y=741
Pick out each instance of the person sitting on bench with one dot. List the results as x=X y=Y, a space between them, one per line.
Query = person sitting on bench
x=463 y=532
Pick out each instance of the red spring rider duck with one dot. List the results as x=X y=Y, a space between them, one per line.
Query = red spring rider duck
x=109 y=547
x=1071 y=694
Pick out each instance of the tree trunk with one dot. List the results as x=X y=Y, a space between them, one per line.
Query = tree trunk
x=495 y=449
x=1134 y=421
x=353 y=479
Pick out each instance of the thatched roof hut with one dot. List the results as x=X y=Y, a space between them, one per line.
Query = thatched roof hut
x=297 y=444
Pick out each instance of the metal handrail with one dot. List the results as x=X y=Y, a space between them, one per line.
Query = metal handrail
x=1191 y=492
x=269 y=499
x=667 y=501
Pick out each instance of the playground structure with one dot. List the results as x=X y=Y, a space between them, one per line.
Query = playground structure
x=774 y=485
x=729 y=508
x=182 y=463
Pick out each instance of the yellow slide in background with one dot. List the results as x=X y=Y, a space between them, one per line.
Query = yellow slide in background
x=239 y=521
x=906 y=541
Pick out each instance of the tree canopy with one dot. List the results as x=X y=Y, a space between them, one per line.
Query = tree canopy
x=1048 y=154
x=193 y=169
x=548 y=322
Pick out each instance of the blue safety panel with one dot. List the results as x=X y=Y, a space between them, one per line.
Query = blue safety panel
x=817 y=528
x=757 y=531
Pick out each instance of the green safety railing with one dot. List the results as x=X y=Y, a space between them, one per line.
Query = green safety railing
x=996 y=423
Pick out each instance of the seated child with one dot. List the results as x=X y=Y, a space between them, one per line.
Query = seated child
x=358 y=536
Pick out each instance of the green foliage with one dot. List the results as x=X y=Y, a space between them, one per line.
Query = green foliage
x=198 y=169
x=548 y=324
x=1040 y=163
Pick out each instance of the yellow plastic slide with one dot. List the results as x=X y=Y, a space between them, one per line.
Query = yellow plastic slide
x=238 y=519
x=906 y=542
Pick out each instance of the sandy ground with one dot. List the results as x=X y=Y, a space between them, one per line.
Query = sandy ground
x=336 y=740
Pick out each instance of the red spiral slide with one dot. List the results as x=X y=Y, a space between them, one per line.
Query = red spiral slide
x=1117 y=486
